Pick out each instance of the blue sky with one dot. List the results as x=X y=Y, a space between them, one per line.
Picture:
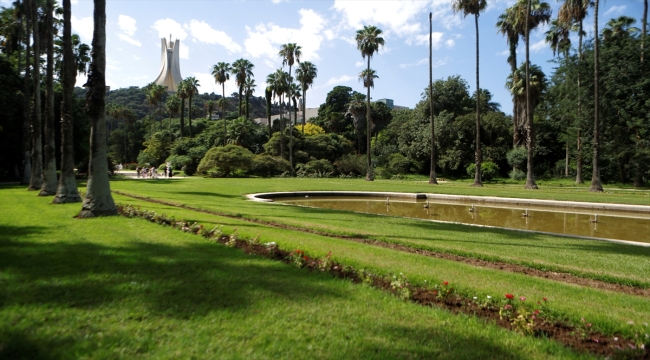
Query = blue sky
x=213 y=31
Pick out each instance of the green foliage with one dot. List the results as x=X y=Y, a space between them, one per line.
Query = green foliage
x=179 y=162
x=489 y=170
x=398 y=164
x=266 y=165
x=518 y=157
x=351 y=164
x=223 y=160
x=11 y=101
x=516 y=174
x=322 y=166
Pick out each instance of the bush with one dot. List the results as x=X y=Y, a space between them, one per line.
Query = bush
x=223 y=160
x=351 y=163
x=516 y=174
x=398 y=164
x=179 y=161
x=488 y=170
x=517 y=157
x=322 y=166
x=266 y=165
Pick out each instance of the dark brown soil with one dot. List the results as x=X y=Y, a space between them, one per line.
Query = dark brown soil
x=498 y=265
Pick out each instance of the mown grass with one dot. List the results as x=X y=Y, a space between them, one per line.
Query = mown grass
x=618 y=263
x=116 y=287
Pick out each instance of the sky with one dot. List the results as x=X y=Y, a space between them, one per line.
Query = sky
x=213 y=31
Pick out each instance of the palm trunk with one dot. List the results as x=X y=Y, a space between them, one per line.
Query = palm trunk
x=566 y=149
x=530 y=180
x=36 y=180
x=98 y=200
x=182 y=117
x=223 y=116
x=579 y=179
x=67 y=191
x=189 y=113
x=304 y=109
x=477 y=154
x=27 y=107
x=240 y=91
x=643 y=26
x=268 y=94
x=281 y=129
x=291 y=125
x=432 y=171
x=369 y=176
x=516 y=121
x=49 y=175
x=596 y=185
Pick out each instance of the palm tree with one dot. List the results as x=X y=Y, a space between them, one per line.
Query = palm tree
x=49 y=170
x=290 y=54
x=241 y=69
x=596 y=185
x=558 y=39
x=432 y=171
x=191 y=88
x=250 y=89
x=305 y=73
x=644 y=21
x=98 y=200
x=619 y=28
x=268 y=94
x=173 y=106
x=181 y=92
x=209 y=105
x=27 y=113
x=293 y=92
x=474 y=7
x=507 y=27
x=357 y=110
x=36 y=180
x=570 y=12
x=221 y=74
x=277 y=81
x=67 y=191
x=368 y=42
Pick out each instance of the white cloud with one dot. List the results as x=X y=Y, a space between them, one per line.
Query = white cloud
x=206 y=80
x=136 y=57
x=338 y=80
x=264 y=39
x=202 y=32
x=129 y=40
x=359 y=64
x=450 y=43
x=278 y=1
x=504 y=53
x=127 y=25
x=167 y=26
x=538 y=46
x=438 y=63
x=436 y=39
x=615 y=10
x=83 y=27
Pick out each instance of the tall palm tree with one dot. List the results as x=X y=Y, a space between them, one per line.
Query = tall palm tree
x=173 y=106
x=250 y=90
x=368 y=42
x=575 y=11
x=49 y=169
x=241 y=69
x=98 y=200
x=293 y=92
x=36 y=180
x=268 y=94
x=474 y=7
x=508 y=28
x=357 y=110
x=558 y=38
x=67 y=191
x=596 y=185
x=516 y=84
x=277 y=81
x=191 y=88
x=644 y=21
x=181 y=92
x=290 y=54
x=27 y=107
x=432 y=171
x=305 y=73
x=209 y=105
x=221 y=74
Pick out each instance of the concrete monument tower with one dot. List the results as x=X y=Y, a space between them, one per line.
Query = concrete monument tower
x=170 y=69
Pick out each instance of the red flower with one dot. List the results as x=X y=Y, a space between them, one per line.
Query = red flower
x=445 y=283
x=510 y=296
x=305 y=258
x=545 y=299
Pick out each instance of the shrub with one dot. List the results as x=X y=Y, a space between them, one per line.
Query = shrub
x=488 y=170
x=179 y=161
x=398 y=164
x=267 y=165
x=316 y=166
x=223 y=160
x=351 y=163
x=517 y=157
x=516 y=174
x=311 y=129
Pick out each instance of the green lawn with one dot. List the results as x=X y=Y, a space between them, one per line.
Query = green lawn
x=116 y=287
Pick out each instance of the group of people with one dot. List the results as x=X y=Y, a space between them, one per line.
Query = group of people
x=152 y=173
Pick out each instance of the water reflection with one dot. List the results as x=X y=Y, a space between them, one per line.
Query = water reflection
x=603 y=224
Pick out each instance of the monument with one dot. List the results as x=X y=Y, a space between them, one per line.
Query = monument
x=170 y=69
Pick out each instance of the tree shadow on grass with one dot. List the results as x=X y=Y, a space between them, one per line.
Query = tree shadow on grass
x=177 y=281
x=11 y=232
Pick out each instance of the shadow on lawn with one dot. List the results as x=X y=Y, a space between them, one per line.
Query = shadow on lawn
x=178 y=281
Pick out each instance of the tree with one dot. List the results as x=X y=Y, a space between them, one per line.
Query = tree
x=173 y=106
x=250 y=89
x=27 y=113
x=305 y=73
x=49 y=169
x=508 y=27
x=596 y=185
x=209 y=105
x=36 y=180
x=293 y=92
x=221 y=74
x=268 y=94
x=191 y=88
x=357 y=110
x=181 y=92
x=368 y=42
x=557 y=37
x=241 y=69
x=474 y=7
x=277 y=81
x=67 y=191
x=98 y=200
x=432 y=170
